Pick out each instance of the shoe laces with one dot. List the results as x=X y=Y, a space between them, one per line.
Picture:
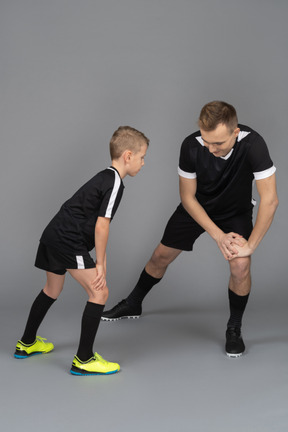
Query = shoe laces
x=99 y=358
x=234 y=332
x=40 y=339
x=120 y=304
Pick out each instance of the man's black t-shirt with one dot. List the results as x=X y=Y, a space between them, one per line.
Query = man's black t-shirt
x=224 y=184
x=72 y=230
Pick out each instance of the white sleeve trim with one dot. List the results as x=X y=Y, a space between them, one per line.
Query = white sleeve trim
x=113 y=196
x=264 y=174
x=186 y=174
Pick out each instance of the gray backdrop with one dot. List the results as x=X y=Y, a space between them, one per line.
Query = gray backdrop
x=71 y=72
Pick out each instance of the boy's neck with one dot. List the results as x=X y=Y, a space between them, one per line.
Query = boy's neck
x=121 y=170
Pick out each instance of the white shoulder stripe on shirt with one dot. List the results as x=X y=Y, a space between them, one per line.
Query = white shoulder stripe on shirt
x=242 y=134
x=113 y=196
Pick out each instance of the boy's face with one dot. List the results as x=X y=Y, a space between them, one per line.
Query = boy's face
x=137 y=161
x=220 y=140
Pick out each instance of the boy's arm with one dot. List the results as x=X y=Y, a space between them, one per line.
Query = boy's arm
x=267 y=208
x=226 y=242
x=101 y=239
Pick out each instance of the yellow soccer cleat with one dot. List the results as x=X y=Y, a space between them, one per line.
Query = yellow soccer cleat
x=96 y=365
x=38 y=347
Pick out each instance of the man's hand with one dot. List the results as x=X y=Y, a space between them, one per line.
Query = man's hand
x=99 y=282
x=243 y=251
x=230 y=244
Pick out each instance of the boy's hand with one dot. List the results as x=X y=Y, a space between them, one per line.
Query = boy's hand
x=230 y=244
x=99 y=282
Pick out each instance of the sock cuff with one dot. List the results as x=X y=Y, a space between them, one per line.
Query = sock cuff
x=47 y=299
x=238 y=302
x=93 y=309
x=148 y=278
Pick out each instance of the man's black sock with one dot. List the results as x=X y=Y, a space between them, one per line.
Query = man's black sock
x=38 y=310
x=89 y=326
x=237 y=307
x=142 y=288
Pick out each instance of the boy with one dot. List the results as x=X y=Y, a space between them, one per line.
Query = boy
x=217 y=166
x=82 y=223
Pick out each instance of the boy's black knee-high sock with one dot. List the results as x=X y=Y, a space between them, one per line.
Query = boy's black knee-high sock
x=237 y=307
x=38 y=310
x=142 y=288
x=89 y=326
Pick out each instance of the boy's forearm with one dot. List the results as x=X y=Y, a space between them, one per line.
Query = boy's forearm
x=101 y=240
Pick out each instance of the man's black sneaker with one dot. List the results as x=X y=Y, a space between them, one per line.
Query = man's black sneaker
x=234 y=342
x=121 y=311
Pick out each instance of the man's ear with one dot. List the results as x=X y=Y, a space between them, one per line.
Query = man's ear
x=236 y=131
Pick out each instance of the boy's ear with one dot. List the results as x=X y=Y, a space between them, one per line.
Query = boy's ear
x=127 y=155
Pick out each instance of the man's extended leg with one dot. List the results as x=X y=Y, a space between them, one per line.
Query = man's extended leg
x=238 y=292
x=131 y=307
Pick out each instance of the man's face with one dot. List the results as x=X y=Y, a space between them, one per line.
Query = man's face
x=220 y=140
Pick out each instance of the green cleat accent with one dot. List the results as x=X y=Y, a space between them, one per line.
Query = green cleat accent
x=96 y=365
x=38 y=347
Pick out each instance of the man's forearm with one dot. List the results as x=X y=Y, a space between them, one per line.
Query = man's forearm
x=197 y=212
x=264 y=219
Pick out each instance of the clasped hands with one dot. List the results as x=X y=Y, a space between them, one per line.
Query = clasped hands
x=233 y=245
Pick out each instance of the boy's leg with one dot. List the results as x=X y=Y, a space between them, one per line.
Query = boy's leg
x=28 y=345
x=152 y=274
x=86 y=362
x=239 y=290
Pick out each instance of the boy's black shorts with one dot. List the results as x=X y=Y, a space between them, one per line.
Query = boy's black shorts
x=54 y=261
x=182 y=231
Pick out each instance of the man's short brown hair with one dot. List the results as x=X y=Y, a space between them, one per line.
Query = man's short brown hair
x=126 y=138
x=215 y=113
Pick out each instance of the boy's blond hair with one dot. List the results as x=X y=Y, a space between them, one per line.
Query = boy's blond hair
x=126 y=138
x=215 y=113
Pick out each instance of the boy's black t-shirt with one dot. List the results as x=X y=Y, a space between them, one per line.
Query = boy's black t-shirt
x=224 y=184
x=72 y=230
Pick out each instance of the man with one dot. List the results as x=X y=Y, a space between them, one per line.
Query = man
x=216 y=169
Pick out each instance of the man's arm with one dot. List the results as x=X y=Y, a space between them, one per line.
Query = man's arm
x=267 y=208
x=226 y=242
x=101 y=239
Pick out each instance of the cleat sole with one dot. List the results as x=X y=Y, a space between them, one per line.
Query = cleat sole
x=20 y=356
x=119 y=318
x=77 y=372
x=234 y=355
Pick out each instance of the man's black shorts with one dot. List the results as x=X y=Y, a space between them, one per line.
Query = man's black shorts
x=54 y=261
x=182 y=231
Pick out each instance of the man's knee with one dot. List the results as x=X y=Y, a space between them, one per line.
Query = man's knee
x=240 y=268
x=163 y=256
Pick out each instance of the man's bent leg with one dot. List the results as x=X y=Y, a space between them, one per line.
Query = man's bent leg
x=238 y=292
x=152 y=274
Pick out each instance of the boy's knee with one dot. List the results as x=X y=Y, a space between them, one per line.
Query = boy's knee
x=100 y=296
